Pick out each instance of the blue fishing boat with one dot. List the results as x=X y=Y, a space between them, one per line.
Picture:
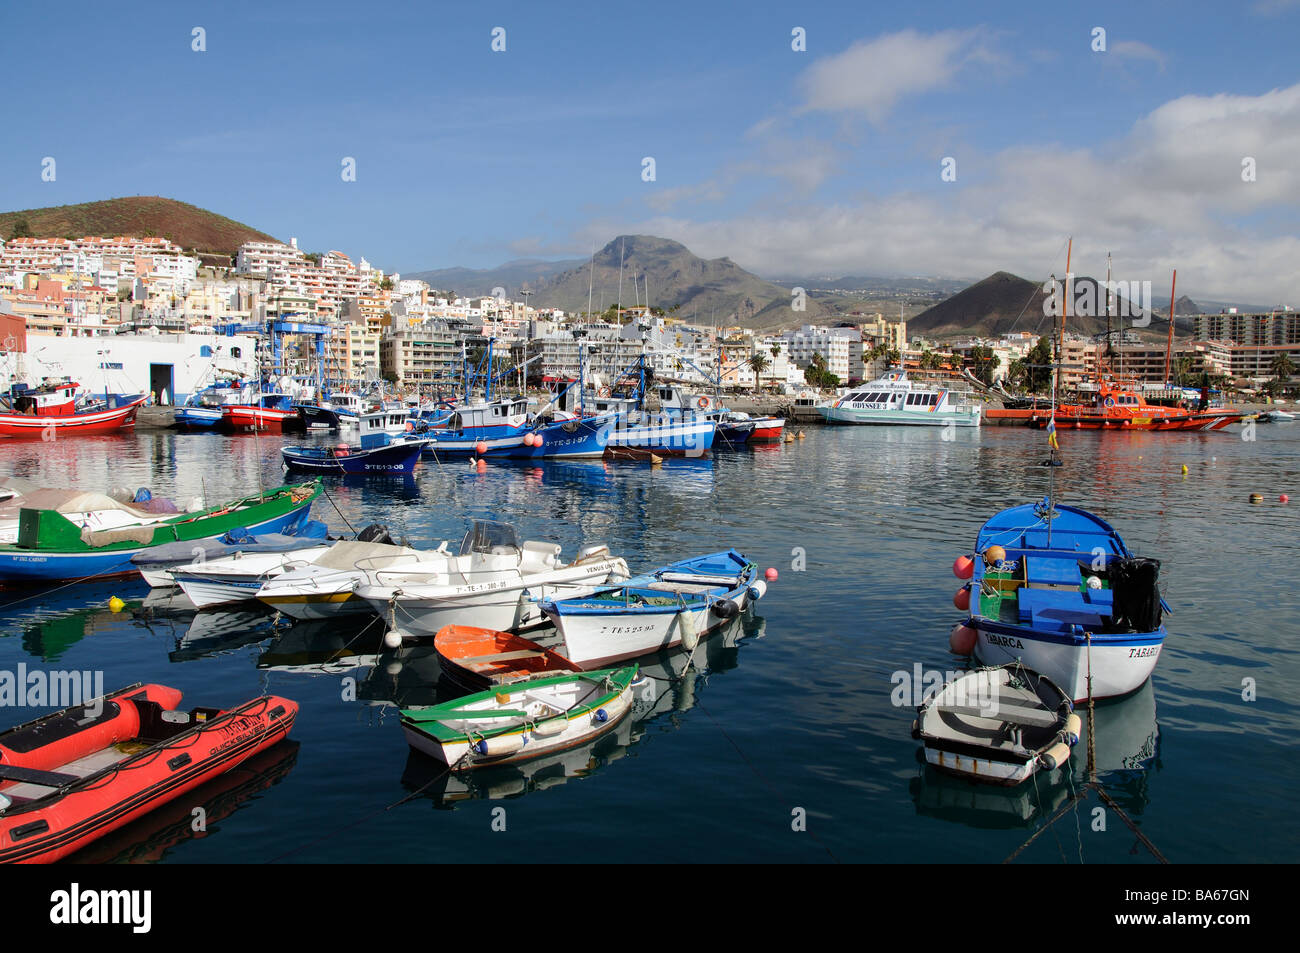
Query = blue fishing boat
x=1056 y=588
x=377 y=455
x=671 y=606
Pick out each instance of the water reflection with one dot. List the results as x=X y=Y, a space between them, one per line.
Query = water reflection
x=151 y=838
x=672 y=686
x=1126 y=751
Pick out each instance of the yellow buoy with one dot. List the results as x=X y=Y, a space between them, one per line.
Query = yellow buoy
x=116 y=605
x=1257 y=498
x=1184 y=468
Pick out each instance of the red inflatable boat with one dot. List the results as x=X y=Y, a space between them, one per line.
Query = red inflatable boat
x=73 y=776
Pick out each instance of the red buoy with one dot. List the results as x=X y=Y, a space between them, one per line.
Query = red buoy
x=962 y=639
x=961 y=599
x=963 y=567
x=1284 y=498
x=771 y=574
x=480 y=448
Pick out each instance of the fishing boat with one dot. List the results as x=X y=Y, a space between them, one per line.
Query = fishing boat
x=522 y=721
x=72 y=536
x=340 y=411
x=73 y=776
x=734 y=428
x=377 y=454
x=274 y=412
x=478 y=658
x=997 y=725
x=492 y=428
x=1056 y=588
x=1120 y=406
x=493 y=581
x=155 y=564
x=672 y=606
x=202 y=409
x=59 y=409
x=897 y=399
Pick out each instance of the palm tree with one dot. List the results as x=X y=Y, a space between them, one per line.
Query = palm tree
x=1283 y=367
x=758 y=363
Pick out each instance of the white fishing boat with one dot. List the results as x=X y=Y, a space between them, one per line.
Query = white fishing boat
x=524 y=721
x=897 y=399
x=997 y=725
x=672 y=606
x=493 y=581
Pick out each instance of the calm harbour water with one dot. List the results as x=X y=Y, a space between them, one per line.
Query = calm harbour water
x=791 y=710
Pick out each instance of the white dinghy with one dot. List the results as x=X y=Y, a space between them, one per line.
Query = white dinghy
x=997 y=725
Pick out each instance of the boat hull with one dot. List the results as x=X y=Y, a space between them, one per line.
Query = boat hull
x=422 y=611
x=51 y=427
x=55 y=826
x=22 y=566
x=691 y=439
x=579 y=728
x=1198 y=422
x=909 y=418
x=392 y=460
x=1120 y=663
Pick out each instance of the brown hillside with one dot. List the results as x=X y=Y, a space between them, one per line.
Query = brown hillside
x=189 y=226
x=1004 y=302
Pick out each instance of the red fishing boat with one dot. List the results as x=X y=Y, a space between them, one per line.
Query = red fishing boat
x=767 y=429
x=273 y=412
x=1122 y=407
x=70 y=777
x=56 y=409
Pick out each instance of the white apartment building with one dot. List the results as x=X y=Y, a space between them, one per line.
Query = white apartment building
x=840 y=348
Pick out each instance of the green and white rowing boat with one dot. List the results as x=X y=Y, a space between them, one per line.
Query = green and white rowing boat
x=526 y=720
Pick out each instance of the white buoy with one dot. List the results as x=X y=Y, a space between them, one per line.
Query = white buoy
x=393 y=639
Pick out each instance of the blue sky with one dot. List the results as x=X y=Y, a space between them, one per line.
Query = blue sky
x=818 y=162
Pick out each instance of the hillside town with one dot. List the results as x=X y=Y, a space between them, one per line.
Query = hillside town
x=142 y=314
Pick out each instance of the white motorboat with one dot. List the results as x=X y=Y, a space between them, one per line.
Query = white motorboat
x=493 y=582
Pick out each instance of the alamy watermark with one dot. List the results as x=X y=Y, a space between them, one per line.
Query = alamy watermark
x=38 y=688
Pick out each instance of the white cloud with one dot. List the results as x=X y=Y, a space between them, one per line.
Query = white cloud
x=1168 y=194
x=871 y=77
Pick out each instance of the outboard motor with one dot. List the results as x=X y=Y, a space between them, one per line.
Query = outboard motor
x=1135 y=589
x=374 y=533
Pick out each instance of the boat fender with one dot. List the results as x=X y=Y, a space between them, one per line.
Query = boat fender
x=726 y=609
x=374 y=533
x=601 y=716
x=1073 y=726
x=506 y=744
x=1055 y=756
x=550 y=727
x=758 y=590
x=686 y=627
x=916 y=729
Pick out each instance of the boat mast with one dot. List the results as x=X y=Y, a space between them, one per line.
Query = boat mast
x=1109 y=350
x=1169 y=348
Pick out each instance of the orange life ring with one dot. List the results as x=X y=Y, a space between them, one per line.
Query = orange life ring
x=702 y=403
x=603 y=392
